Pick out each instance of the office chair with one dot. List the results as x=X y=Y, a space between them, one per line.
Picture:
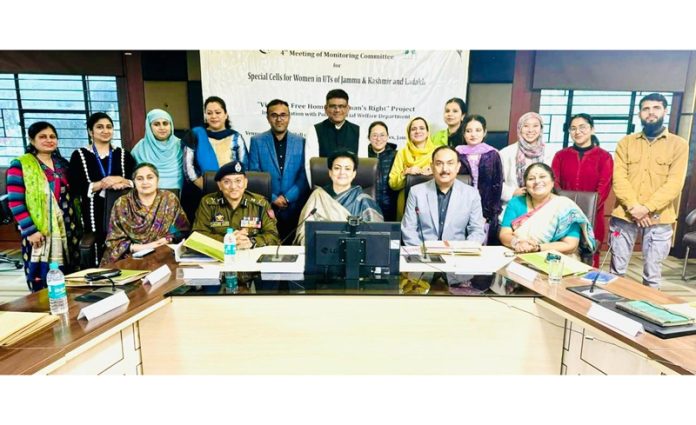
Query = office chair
x=366 y=176
x=587 y=201
x=259 y=183
x=412 y=180
x=689 y=240
x=88 y=243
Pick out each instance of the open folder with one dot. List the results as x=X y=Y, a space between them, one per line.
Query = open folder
x=17 y=325
x=570 y=265
x=126 y=276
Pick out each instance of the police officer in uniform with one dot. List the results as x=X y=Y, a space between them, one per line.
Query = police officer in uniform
x=249 y=214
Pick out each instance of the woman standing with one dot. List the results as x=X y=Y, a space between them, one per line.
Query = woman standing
x=585 y=167
x=210 y=147
x=94 y=170
x=146 y=217
x=161 y=147
x=529 y=149
x=482 y=162
x=455 y=111
x=385 y=152
x=414 y=159
x=39 y=196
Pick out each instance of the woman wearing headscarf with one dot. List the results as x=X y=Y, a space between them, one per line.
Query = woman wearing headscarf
x=144 y=218
x=162 y=148
x=529 y=149
x=414 y=159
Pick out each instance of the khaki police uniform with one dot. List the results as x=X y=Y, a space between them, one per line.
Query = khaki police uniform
x=254 y=213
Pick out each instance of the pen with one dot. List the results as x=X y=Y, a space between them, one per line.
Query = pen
x=594 y=281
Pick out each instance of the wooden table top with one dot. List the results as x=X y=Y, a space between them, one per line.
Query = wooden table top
x=35 y=353
x=678 y=354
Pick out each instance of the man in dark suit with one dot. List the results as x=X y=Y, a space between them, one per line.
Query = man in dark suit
x=444 y=207
x=281 y=154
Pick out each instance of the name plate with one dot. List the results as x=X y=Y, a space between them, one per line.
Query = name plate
x=109 y=303
x=615 y=320
x=158 y=276
x=522 y=272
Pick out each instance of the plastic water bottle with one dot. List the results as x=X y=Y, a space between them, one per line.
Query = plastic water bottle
x=57 y=297
x=230 y=243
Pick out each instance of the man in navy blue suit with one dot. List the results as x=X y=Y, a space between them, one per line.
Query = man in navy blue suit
x=281 y=154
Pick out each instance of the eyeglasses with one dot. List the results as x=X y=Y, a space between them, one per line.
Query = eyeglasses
x=378 y=135
x=235 y=182
x=333 y=106
x=279 y=116
x=583 y=128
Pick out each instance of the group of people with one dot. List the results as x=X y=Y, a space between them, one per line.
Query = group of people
x=509 y=198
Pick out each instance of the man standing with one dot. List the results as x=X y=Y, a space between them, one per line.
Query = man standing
x=249 y=214
x=281 y=154
x=444 y=208
x=335 y=132
x=649 y=173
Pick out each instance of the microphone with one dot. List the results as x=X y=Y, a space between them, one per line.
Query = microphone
x=289 y=258
x=423 y=257
x=615 y=233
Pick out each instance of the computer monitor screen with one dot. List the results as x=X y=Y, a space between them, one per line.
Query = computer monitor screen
x=374 y=248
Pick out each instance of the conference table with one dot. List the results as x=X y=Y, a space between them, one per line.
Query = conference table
x=470 y=315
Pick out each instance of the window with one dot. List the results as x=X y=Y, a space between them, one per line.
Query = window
x=66 y=101
x=615 y=114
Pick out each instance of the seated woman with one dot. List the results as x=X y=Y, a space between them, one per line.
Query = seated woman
x=40 y=200
x=146 y=217
x=340 y=199
x=541 y=220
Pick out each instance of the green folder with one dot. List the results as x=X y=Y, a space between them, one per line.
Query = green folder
x=654 y=313
x=538 y=261
x=205 y=245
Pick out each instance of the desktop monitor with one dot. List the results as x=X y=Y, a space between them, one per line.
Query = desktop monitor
x=352 y=249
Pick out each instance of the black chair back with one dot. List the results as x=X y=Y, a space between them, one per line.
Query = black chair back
x=412 y=180
x=587 y=201
x=259 y=182
x=366 y=176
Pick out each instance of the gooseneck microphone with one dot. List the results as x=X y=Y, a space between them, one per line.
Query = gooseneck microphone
x=288 y=258
x=615 y=233
x=423 y=257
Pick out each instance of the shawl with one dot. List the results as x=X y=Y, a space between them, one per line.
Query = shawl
x=165 y=155
x=473 y=155
x=528 y=153
x=351 y=202
x=132 y=222
x=551 y=221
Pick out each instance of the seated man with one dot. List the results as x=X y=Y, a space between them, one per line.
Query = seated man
x=445 y=208
x=249 y=214
x=339 y=199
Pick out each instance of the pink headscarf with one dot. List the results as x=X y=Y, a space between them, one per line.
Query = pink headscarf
x=528 y=153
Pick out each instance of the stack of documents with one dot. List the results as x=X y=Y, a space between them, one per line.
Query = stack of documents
x=17 y=325
x=126 y=276
x=453 y=247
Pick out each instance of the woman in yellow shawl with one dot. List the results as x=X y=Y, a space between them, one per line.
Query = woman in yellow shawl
x=414 y=158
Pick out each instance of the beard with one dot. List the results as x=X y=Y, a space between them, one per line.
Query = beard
x=652 y=128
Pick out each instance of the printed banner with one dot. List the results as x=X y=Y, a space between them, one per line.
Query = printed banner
x=389 y=86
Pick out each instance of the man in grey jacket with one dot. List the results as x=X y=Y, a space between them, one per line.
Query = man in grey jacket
x=444 y=208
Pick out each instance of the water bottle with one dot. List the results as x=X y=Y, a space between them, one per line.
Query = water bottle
x=230 y=243
x=57 y=297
